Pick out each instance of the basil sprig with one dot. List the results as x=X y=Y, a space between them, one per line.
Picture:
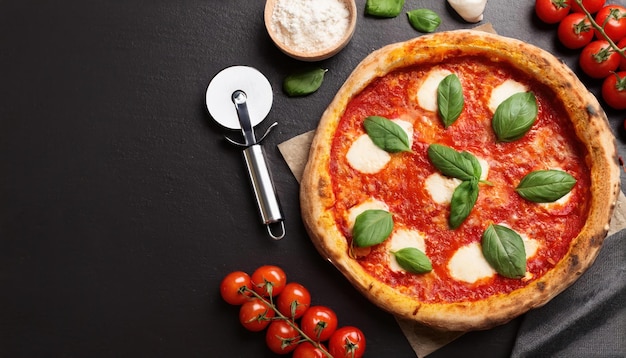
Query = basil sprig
x=463 y=166
x=413 y=260
x=450 y=99
x=545 y=186
x=372 y=227
x=515 y=116
x=424 y=20
x=503 y=249
x=304 y=82
x=386 y=134
x=384 y=8
x=454 y=164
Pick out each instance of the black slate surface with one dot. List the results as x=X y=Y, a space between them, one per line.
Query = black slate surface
x=122 y=207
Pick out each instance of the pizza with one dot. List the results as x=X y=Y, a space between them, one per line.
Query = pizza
x=460 y=179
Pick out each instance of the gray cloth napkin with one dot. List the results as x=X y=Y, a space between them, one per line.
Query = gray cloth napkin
x=586 y=320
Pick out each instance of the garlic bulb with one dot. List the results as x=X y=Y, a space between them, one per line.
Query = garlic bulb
x=469 y=10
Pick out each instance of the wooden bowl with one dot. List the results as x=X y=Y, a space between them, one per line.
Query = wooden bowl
x=313 y=55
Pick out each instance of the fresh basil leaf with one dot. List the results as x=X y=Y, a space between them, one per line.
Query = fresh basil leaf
x=545 y=186
x=515 y=116
x=424 y=20
x=386 y=134
x=413 y=260
x=372 y=227
x=450 y=162
x=463 y=200
x=503 y=249
x=450 y=99
x=304 y=82
x=478 y=169
x=384 y=8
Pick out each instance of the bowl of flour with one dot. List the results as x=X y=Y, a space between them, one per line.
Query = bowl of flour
x=310 y=30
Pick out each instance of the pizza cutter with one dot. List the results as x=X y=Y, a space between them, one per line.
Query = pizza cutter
x=239 y=98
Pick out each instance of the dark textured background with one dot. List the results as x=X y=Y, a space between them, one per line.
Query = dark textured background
x=122 y=207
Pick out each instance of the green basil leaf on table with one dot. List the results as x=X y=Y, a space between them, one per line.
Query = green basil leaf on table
x=515 y=116
x=545 y=186
x=372 y=227
x=504 y=250
x=451 y=163
x=304 y=82
x=386 y=134
x=384 y=8
x=450 y=99
x=463 y=200
x=413 y=260
x=424 y=20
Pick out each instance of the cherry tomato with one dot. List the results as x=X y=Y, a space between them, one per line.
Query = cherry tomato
x=614 y=90
x=268 y=280
x=281 y=337
x=551 y=11
x=319 y=323
x=613 y=19
x=255 y=315
x=293 y=300
x=308 y=350
x=231 y=287
x=598 y=59
x=622 y=45
x=591 y=5
x=575 y=31
x=347 y=342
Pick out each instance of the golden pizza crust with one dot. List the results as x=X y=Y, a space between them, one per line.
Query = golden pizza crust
x=591 y=126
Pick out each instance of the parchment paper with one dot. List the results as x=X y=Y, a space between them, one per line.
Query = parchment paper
x=424 y=340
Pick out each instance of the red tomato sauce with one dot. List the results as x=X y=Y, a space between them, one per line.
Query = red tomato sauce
x=550 y=144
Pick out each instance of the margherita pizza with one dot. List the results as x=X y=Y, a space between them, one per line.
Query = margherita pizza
x=460 y=179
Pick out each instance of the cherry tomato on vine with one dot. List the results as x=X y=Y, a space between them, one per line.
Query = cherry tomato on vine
x=591 y=5
x=294 y=300
x=613 y=19
x=319 y=323
x=575 y=31
x=598 y=59
x=622 y=45
x=255 y=315
x=281 y=337
x=268 y=280
x=614 y=90
x=348 y=342
x=308 y=350
x=551 y=11
x=231 y=287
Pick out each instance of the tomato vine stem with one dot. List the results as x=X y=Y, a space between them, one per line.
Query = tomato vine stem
x=280 y=316
x=600 y=29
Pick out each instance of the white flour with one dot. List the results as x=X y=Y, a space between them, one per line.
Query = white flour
x=310 y=25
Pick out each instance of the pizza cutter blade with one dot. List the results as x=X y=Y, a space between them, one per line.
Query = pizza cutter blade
x=239 y=98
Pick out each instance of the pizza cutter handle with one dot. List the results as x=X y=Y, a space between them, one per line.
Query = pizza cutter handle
x=264 y=191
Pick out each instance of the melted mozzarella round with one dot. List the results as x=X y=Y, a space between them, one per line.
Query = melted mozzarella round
x=427 y=93
x=366 y=157
x=531 y=246
x=469 y=265
x=401 y=239
x=503 y=91
x=441 y=188
x=407 y=127
x=371 y=204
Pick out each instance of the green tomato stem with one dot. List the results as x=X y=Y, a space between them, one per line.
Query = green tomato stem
x=281 y=316
x=600 y=28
